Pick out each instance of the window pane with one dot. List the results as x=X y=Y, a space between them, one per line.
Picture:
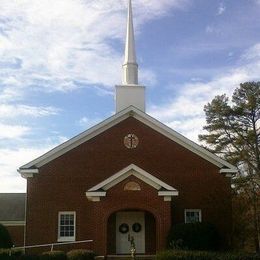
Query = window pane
x=67 y=225
x=192 y=216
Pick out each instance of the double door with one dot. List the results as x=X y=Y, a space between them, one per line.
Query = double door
x=130 y=225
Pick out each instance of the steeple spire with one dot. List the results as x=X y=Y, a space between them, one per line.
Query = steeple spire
x=130 y=93
x=130 y=67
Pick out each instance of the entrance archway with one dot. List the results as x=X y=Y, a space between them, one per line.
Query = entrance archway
x=141 y=225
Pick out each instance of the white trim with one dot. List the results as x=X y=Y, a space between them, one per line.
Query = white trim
x=67 y=238
x=13 y=223
x=28 y=173
x=225 y=170
x=117 y=118
x=228 y=175
x=167 y=198
x=168 y=193
x=132 y=169
x=228 y=170
x=97 y=193
x=95 y=196
x=94 y=193
x=192 y=210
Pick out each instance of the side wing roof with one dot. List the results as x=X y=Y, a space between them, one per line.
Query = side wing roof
x=30 y=168
x=12 y=207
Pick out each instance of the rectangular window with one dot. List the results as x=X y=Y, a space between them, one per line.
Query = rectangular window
x=67 y=226
x=192 y=215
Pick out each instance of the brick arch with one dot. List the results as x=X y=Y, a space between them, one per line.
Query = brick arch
x=115 y=209
x=117 y=199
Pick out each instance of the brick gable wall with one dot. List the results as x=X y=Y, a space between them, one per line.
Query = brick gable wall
x=62 y=183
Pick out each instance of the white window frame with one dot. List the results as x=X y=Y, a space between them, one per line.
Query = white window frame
x=192 y=210
x=66 y=238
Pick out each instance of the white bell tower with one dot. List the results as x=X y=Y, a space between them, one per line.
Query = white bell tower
x=130 y=93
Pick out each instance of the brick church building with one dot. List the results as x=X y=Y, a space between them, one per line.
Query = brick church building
x=128 y=175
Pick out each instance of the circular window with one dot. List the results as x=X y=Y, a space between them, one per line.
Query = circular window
x=137 y=227
x=131 y=141
x=123 y=228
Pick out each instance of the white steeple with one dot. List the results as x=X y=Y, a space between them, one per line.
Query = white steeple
x=130 y=67
x=130 y=93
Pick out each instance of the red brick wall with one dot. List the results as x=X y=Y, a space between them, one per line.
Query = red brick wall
x=150 y=231
x=62 y=183
x=17 y=234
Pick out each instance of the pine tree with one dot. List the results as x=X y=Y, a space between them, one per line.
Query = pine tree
x=233 y=133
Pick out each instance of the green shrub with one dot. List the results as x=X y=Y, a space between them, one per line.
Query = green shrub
x=10 y=254
x=81 y=254
x=203 y=255
x=193 y=236
x=5 y=239
x=29 y=257
x=4 y=253
x=53 y=255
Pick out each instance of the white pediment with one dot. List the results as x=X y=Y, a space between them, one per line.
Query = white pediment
x=100 y=189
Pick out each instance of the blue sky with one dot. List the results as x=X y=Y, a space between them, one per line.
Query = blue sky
x=60 y=60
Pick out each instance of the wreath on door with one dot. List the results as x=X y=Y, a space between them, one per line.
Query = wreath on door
x=123 y=228
x=136 y=227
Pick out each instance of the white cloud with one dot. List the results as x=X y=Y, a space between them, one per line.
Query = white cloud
x=86 y=122
x=190 y=127
x=58 y=45
x=147 y=77
x=252 y=53
x=221 y=9
x=64 y=41
x=185 y=113
x=11 y=111
x=11 y=160
x=13 y=131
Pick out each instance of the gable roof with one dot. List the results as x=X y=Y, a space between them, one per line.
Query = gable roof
x=12 y=207
x=100 y=189
x=30 y=168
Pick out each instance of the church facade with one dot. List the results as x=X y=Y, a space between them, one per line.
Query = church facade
x=128 y=177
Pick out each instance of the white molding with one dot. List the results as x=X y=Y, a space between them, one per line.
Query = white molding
x=28 y=173
x=168 y=193
x=13 y=223
x=117 y=118
x=136 y=171
x=167 y=198
x=228 y=175
x=228 y=170
x=96 y=193
x=93 y=194
x=93 y=198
